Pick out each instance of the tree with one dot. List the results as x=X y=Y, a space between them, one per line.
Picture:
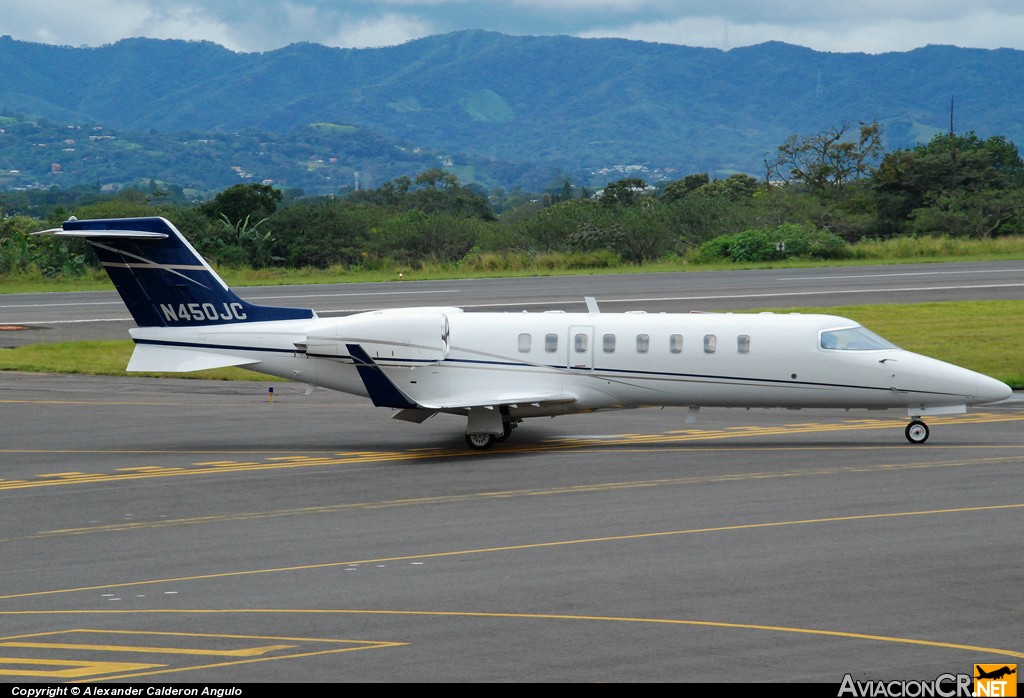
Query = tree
x=645 y=232
x=128 y=204
x=415 y=237
x=625 y=192
x=705 y=214
x=558 y=191
x=242 y=201
x=676 y=190
x=325 y=232
x=979 y=214
x=21 y=252
x=736 y=186
x=957 y=176
x=433 y=191
x=561 y=227
x=827 y=161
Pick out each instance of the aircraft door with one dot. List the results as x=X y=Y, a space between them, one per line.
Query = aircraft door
x=580 y=348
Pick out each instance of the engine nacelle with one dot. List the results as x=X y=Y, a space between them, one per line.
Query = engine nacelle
x=418 y=336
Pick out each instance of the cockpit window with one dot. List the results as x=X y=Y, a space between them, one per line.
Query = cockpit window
x=853 y=339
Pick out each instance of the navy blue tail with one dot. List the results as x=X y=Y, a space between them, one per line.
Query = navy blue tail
x=162 y=279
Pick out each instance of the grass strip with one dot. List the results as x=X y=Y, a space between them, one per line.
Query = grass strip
x=984 y=336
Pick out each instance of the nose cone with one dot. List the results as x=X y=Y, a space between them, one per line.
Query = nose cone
x=944 y=383
x=991 y=390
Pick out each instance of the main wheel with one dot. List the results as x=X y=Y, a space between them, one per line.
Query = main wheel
x=507 y=427
x=917 y=432
x=479 y=442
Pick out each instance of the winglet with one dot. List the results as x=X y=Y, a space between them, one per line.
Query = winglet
x=383 y=392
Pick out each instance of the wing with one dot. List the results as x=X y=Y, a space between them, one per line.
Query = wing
x=384 y=393
x=511 y=399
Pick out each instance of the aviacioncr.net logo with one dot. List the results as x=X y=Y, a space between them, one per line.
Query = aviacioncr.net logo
x=995 y=680
x=943 y=686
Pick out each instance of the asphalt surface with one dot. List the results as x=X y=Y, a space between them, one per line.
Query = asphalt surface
x=58 y=317
x=168 y=530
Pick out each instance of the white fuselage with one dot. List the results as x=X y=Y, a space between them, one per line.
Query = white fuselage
x=447 y=358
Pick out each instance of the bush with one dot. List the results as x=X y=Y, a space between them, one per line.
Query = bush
x=593 y=259
x=496 y=261
x=787 y=241
x=23 y=253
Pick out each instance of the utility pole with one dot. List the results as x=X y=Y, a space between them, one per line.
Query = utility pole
x=952 y=149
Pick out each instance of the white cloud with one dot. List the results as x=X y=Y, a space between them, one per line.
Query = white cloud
x=99 y=22
x=982 y=29
x=71 y=23
x=386 y=30
x=302 y=19
x=259 y=25
x=192 y=23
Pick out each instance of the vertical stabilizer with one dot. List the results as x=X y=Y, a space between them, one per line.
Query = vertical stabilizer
x=162 y=279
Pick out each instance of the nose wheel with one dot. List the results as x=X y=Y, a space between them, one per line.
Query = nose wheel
x=917 y=432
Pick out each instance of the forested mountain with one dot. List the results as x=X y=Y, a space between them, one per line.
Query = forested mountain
x=498 y=110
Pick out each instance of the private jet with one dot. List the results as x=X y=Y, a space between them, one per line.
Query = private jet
x=497 y=369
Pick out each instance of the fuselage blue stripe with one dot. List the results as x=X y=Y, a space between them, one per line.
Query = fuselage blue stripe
x=231 y=347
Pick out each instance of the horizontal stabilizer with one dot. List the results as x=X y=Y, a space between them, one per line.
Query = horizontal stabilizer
x=105 y=234
x=150 y=358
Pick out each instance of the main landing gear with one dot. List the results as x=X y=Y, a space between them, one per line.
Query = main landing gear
x=480 y=442
x=917 y=432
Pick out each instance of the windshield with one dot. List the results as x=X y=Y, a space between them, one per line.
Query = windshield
x=853 y=339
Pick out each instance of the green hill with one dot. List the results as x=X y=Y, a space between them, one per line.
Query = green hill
x=509 y=111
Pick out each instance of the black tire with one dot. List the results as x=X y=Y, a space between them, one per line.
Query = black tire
x=507 y=428
x=479 y=442
x=917 y=432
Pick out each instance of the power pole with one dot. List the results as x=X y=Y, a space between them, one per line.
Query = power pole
x=952 y=149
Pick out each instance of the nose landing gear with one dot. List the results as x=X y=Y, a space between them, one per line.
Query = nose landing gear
x=917 y=432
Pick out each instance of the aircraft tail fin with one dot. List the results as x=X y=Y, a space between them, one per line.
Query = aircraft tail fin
x=162 y=279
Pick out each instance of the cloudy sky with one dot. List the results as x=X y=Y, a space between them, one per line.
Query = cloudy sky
x=871 y=26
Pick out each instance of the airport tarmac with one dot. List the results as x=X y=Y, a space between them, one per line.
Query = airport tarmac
x=169 y=530
x=33 y=318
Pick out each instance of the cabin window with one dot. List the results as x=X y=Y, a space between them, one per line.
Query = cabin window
x=675 y=343
x=551 y=343
x=608 y=343
x=525 y=339
x=710 y=343
x=580 y=343
x=853 y=339
x=643 y=343
x=743 y=344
